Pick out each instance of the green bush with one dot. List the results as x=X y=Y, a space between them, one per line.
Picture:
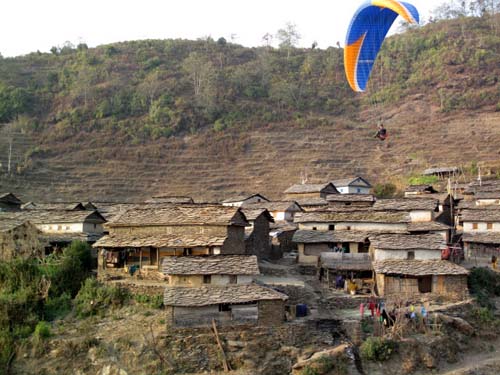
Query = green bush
x=423 y=180
x=377 y=349
x=7 y=349
x=95 y=298
x=387 y=190
x=57 y=307
x=484 y=284
x=155 y=301
x=42 y=330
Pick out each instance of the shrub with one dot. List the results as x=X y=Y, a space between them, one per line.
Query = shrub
x=484 y=284
x=377 y=349
x=423 y=180
x=155 y=301
x=57 y=307
x=7 y=349
x=42 y=330
x=95 y=298
x=387 y=190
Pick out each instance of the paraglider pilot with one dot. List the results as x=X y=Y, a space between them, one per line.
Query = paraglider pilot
x=381 y=133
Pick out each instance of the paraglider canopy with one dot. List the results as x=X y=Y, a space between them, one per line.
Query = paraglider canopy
x=367 y=31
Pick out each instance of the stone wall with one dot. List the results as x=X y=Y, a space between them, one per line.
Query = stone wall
x=258 y=243
x=271 y=313
x=211 y=230
x=235 y=243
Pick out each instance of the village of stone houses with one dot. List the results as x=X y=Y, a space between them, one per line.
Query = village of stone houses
x=328 y=279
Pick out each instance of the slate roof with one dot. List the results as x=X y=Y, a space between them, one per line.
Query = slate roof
x=8 y=222
x=365 y=216
x=64 y=206
x=170 y=199
x=310 y=202
x=211 y=265
x=40 y=217
x=432 y=171
x=481 y=215
x=346 y=262
x=243 y=197
x=492 y=238
x=427 y=226
x=440 y=197
x=431 y=241
x=253 y=213
x=420 y=189
x=186 y=214
x=214 y=295
x=274 y=206
x=418 y=267
x=308 y=188
x=406 y=204
x=350 y=198
x=330 y=236
x=159 y=240
x=9 y=198
x=487 y=195
x=351 y=181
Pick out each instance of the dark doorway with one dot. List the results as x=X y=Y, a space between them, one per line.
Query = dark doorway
x=425 y=284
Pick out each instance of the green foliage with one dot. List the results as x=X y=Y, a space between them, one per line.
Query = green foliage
x=386 y=190
x=42 y=330
x=155 y=301
x=423 y=180
x=484 y=284
x=13 y=102
x=377 y=349
x=7 y=350
x=326 y=365
x=95 y=298
x=483 y=315
x=57 y=306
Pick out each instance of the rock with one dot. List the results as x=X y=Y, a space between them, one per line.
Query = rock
x=334 y=352
x=459 y=324
x=92 y=355
x=112 y=370
x=235 y=344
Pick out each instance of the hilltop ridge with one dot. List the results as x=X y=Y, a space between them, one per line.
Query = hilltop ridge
x=209 y=118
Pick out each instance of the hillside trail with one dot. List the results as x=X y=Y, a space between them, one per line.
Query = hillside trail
x=476 y=363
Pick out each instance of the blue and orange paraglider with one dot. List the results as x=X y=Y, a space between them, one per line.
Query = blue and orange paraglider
x=366 y=33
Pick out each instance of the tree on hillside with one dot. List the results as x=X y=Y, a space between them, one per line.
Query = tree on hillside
x=289 y=37
x=202 y=75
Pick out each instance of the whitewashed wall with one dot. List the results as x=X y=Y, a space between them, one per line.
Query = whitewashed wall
x=481 y=227
x=403 y=254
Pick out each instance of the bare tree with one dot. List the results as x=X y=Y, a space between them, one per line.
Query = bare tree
x=289 y=37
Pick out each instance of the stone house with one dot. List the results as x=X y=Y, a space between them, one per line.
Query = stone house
x=61 y=227
x=420 y=210
x=257 y=240
x=19 y=238
x=488 y=197
x=366 y=220
x=312 y=204
x=352 y=185
x=407 y=247
x=351 y=200
x=312 y=243
x=220 y=289
x=279 y=210
x=9 y=202
x=481 y=233
x=409 y=279
x=242 y=199
x=140 y=237
x=430 y=227
x=281 y=234
x=354 y=266
x=302 y=191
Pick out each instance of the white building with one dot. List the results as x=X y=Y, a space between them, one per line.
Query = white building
x=353 y=185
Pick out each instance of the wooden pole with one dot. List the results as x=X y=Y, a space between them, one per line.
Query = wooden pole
x=219 y=344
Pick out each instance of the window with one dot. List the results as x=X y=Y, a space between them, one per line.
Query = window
x=95 y=226
x=348 y=228
x=474 y=225
x=67 y=227
x=224 y=307
x=187 y=251
x=59 y=227
x=489 y=226
x=233 y=279
x=331 y=227
x=207 y=279
x=411 y=255
x=314 y=228
x=425 y=284
x=358 y=190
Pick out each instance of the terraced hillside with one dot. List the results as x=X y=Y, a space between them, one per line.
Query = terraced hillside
x=436 y=90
